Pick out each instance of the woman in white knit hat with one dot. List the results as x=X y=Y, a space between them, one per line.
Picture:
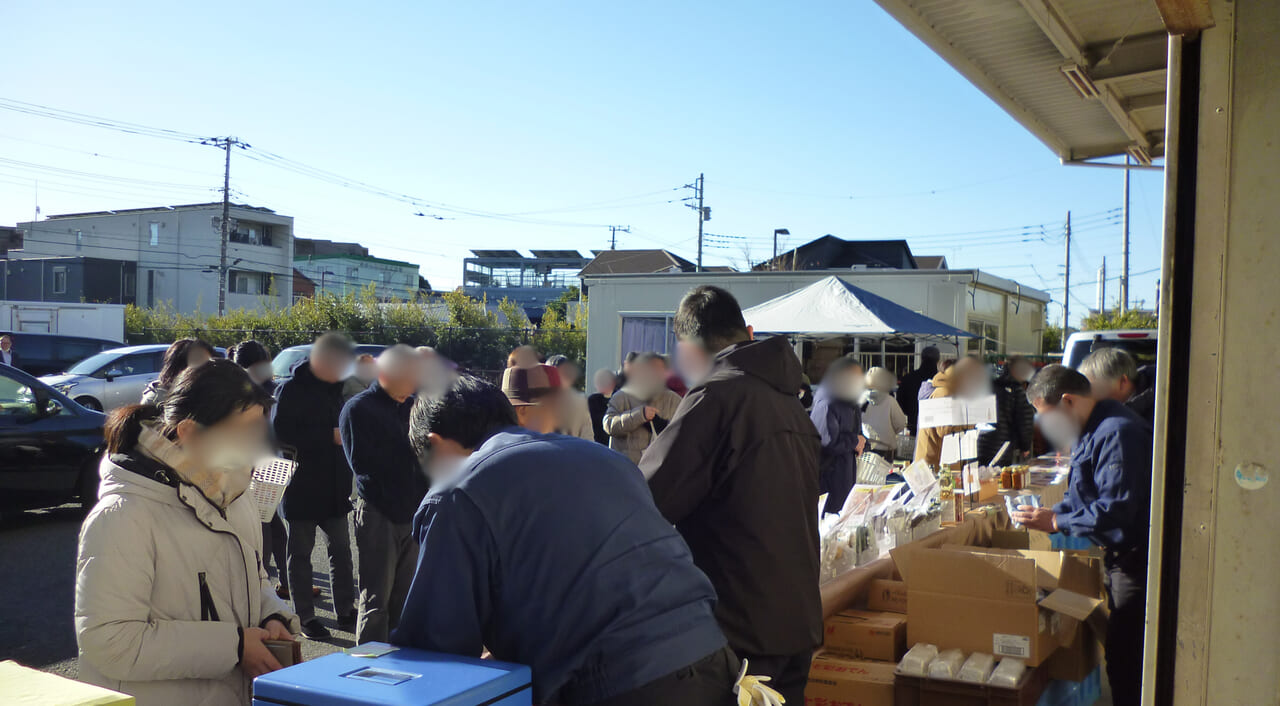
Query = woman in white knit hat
x=882 y=417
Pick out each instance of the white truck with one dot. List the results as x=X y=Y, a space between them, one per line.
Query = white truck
x=1139 y=343
x=103 y=321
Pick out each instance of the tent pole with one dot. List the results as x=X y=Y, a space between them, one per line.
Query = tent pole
x=884 y=357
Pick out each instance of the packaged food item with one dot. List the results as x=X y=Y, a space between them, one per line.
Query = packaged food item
x=977 y=668
x=946 y=665
x=1008 y=673
x=917 y=659
x=1013 y=502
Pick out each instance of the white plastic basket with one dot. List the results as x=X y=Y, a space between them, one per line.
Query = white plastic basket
x=266 y=486
x=872 y=469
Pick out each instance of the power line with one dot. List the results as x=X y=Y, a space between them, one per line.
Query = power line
x=95 y=121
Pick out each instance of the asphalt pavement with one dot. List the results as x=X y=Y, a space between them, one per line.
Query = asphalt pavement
x=37 y=591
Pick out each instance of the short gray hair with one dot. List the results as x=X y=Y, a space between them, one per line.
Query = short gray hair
x=1109 y=364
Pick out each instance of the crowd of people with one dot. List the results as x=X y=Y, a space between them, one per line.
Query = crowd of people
x=651 y=542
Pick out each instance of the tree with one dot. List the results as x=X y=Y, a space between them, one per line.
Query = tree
x=1131 y=319
x=560 y=305
x=1051 y=339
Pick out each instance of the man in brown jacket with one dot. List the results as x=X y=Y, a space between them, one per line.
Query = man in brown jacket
x=737 y=473
x=964 y=379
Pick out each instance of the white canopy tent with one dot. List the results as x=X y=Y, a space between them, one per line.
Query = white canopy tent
x=831 y=308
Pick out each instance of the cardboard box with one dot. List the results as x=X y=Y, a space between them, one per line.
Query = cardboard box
x=986 y=600
x=867 y=635
x=887 y=596
x=837 y=680
x=1021 y=539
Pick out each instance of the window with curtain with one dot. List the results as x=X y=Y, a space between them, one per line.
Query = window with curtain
x=647 y=333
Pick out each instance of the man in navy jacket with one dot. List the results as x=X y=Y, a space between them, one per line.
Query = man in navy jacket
x=549 y=551
x=1108 y=501
x=389 y=485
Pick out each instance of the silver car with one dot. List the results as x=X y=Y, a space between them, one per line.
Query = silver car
x=112 y=378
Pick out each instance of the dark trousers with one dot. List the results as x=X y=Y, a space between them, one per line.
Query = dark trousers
x=1127 y=599
x=342 y=584
x=275 y=543
x=789 y=673
x=707 y=682
x=388 y=558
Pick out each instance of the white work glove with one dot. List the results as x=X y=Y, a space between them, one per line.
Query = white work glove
x=752 y=690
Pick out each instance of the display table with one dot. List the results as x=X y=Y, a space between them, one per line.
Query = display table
x=23 y=686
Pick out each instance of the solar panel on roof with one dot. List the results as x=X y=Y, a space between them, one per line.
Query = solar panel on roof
x=557 y=254
x=496 y=253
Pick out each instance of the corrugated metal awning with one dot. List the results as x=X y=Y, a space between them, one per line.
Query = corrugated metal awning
x=1087 y=77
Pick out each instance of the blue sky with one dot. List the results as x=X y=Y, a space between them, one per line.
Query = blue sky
x=824 y=117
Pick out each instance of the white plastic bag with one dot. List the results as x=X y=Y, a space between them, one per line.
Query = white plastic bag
x=946 y=665
x=977 y=668
x=917 y=659
x=1008 y=673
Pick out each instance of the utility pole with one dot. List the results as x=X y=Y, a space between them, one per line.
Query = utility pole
x=1124 y=243
x=225 y=143
x=1066 y=283
x=613 y=235
x=1102 y=287
x=704 y=213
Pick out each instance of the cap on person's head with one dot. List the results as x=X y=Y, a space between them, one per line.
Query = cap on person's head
x=526 y=386
x=557 y=360
x=881 y=379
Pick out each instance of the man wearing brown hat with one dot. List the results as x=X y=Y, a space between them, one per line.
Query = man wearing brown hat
x=532 y=391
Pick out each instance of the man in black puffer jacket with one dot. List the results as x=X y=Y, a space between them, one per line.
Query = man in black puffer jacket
x=319 y=495
x=1015 y=417
x=737 y=473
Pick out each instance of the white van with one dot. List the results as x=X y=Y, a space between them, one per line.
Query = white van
x=1139 y=343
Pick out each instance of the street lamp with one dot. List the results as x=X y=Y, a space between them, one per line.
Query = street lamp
x=776 y=233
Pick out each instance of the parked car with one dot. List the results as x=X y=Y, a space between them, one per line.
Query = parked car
x=286 y=360
x=48 y=353
x=112 y=378
x=1140 y=343
x=49 y=445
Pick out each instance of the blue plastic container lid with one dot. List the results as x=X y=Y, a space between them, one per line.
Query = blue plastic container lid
x=401 y=678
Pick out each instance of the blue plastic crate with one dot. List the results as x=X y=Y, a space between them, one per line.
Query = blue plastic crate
x=1073 y=693
x=401 y=678
x=1059 y=541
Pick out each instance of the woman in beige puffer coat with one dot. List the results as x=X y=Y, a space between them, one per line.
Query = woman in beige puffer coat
x=639 y=412
x=172 y=604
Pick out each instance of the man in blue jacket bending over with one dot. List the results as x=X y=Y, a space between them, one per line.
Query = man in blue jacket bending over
x=1108 y=501
x=549 y=551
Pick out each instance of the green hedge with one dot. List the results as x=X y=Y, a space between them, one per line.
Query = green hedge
x=458 y=326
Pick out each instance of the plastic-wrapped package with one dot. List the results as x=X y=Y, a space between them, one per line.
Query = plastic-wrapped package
x=977 y=668
x=1012 y=503
x=946 y=665
x=1008 y=673
x=917 y=659
x=846 y=543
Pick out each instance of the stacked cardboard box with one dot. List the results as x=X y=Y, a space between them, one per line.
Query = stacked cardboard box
x=1006 y=602
x=974 y=587
x=838 y=680
x=865 y=634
